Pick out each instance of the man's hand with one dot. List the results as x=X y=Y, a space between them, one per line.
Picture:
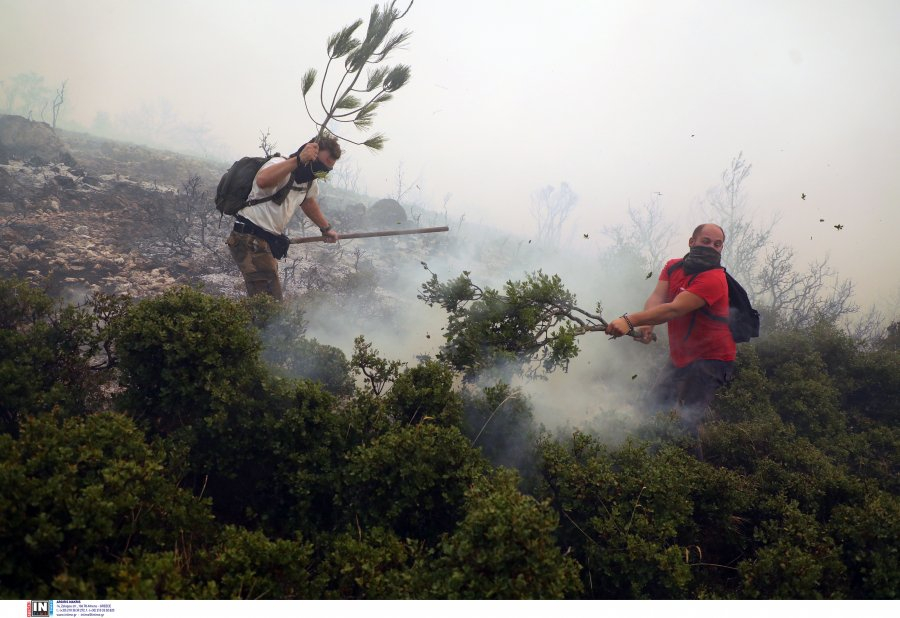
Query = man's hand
x=618 y=327
x=646 y=334
x=331 y=236
x=309 y=152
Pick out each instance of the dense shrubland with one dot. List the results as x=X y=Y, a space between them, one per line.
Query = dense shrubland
x=157 y=449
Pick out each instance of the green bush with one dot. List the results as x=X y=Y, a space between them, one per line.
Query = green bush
x=311 y=360
x=45 y=356
x=269 y=459
x=748 y=397
x=222 y=475
x=504 y=548
x=500 y=422
x=796 y=559
x=808 y=370
x=805 y=397
x=364 y=417
x=425 y=393
x=289 y=354
x=81 y=493
x=875 y=454
x=184 y=356
x=371 y=564
x=247 y=565
x=867 y=531
x=411 y=480
x=239 y=564
x=875 y=385
x=623 y=512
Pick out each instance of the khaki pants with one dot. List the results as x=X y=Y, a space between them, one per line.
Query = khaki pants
x=254 y=259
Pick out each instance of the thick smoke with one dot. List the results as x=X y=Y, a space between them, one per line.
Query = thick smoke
x=601 y=390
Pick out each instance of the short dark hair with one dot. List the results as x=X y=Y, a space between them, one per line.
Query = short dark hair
x=699 y=229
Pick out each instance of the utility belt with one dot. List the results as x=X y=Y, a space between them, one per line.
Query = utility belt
x=278 y=243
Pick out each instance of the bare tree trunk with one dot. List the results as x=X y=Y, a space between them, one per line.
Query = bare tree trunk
x=58 y=101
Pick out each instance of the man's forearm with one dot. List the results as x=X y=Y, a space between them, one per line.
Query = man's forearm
x=660 y=314
x=683 y=304
x=312 y=210
x=276 y=173
x=653 y=301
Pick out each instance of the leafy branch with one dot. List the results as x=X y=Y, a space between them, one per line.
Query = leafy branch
x=377 y=371
x=355 y=99
x=529 y=324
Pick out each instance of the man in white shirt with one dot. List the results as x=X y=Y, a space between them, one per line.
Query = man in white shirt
x=282 y=185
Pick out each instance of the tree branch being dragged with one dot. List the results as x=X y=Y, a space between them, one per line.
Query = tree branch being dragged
x=529 y=325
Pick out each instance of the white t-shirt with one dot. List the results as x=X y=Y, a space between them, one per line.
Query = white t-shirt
x=271 y=216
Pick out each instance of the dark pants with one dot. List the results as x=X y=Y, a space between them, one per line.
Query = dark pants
x=690 y=389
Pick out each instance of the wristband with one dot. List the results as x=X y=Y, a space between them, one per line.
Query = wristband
x=627 y=321
x=325 y=229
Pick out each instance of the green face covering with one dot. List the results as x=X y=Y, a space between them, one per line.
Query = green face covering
x=701 y=258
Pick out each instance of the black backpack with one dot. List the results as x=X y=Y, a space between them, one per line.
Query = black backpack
x=743 y=319
x=236 y=183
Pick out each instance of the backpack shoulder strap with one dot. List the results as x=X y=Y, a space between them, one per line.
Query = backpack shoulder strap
x=277 y=197
x=710 y=314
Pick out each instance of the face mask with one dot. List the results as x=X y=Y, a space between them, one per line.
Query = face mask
x=313 y=169
x=701 y=258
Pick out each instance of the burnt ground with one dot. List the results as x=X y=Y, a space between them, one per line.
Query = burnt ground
x=80 y=214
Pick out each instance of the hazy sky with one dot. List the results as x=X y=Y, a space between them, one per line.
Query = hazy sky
x=619 y=99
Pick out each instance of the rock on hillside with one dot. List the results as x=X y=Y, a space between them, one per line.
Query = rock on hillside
x=25 y=140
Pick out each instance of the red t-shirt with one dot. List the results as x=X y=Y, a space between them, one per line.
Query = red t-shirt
x=707 y=339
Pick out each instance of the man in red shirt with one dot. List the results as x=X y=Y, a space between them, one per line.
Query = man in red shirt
x=692 y=298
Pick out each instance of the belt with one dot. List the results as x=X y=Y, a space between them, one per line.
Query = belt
x=245 y=226
x=278 y=243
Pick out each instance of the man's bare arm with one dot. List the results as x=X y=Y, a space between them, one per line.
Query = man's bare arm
x=682 y=304
x=311 y=209
x=275 y=174
x=656 y=298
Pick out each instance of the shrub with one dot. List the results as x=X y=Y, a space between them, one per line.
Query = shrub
x=748 y=397
x=411 y=480
x=500 y=422
x=504 y=548
x=623 y=512
x=81 y=493
x=184 y=356
x=805 y=369
x=269 y=459
x=796 y=559
x=867 y=532
x=425 y=393
x=248 y=565
x=239 y=564
x=45 y=356
x=874 y=387
x=370 y=564
x=289 y=353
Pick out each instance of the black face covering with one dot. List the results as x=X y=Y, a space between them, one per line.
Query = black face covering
x=305 y=173
x=701 y=258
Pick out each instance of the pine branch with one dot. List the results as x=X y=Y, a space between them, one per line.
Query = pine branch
x=374 y=48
